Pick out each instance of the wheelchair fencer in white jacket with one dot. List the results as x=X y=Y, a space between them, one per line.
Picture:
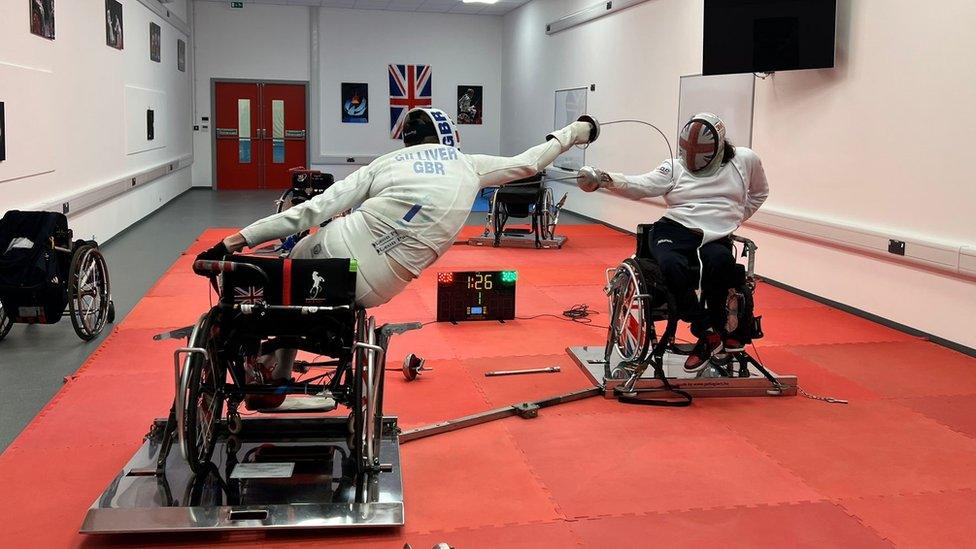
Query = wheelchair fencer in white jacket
x=408 y=205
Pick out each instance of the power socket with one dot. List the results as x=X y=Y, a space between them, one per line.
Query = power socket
x=896 y=247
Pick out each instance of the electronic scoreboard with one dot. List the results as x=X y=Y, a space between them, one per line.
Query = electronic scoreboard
x=476 y=295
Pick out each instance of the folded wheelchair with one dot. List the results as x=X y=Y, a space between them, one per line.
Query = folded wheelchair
x=43 y=272
x=638 y=297
x=267 y=304
x=523 y=199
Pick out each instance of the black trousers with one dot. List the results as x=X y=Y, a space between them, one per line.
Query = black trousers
x=675 y=248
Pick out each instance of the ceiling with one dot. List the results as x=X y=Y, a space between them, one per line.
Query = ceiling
x=430 y=6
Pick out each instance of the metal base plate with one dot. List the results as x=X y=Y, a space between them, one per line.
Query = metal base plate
x=706 y=383
x=518 y=241
x=290 y=473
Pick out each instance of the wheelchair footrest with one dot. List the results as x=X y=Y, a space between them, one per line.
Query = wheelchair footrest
x=300 y=404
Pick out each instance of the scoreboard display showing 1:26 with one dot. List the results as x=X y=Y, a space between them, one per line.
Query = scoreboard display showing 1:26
x=476 y=295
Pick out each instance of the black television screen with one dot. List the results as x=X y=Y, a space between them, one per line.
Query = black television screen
x=768 y=35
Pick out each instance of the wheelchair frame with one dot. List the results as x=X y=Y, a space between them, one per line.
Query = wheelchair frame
x=89 y=296
x=544 y=215
x=633 y=344
x=358 y=374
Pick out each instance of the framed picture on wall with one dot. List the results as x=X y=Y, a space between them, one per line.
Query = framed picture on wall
x=355 y=103
x=155 y=37
x=469 y=104
x=42 y=18
x=113 y=24
x=181 y=55
x=3 y=136
x=410 y=87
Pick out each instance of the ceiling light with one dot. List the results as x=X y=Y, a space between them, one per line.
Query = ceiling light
x=479 y=1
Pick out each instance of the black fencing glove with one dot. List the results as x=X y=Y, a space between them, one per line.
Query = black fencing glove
x=217 y=253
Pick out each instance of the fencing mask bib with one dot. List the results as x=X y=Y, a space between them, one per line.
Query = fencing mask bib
x=701 y=145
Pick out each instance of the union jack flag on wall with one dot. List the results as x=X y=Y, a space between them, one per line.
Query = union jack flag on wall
x=409 y=88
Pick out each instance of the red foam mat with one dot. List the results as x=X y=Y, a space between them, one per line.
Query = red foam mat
x=895 y=465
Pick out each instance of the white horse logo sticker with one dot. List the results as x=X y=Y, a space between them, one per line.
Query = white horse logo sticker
x=317 y=281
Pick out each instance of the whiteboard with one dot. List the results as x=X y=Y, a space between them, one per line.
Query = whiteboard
x=730 y=96
x=570 y=105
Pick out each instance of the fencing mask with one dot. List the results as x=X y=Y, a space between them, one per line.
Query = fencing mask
x=701 y=145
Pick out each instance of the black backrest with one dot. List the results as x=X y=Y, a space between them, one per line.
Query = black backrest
x=292 y=282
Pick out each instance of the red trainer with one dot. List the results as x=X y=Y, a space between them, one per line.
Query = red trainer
x=706 y=348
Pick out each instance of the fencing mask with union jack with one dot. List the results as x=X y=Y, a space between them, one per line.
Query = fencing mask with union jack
x=702 y=143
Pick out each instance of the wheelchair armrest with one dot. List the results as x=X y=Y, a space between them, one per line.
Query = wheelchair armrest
x=748 y=251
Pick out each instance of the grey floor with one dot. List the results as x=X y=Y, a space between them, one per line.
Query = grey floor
x=34 y=360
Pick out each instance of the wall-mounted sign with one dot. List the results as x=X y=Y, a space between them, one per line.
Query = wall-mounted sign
x=113 y=24
x=237 y=5
x=155 y=40
x=42 y=18
x=3 y=137
x=355 y=103
x=181 y=55
x=294 y=134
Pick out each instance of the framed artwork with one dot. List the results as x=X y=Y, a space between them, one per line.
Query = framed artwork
x=3 y=136
x=181 y=55
x=469 y=104
x=355 y=103
x=410 y=87
x=155 y=37
x=42 y=18
x=113 y=24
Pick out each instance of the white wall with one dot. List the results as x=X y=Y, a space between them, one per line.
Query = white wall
x=259 y=42
x=864 y=143
x=359 y=45
x=271 y=42
x=66 y=124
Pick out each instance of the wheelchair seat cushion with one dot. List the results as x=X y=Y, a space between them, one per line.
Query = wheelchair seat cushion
x=322 y=282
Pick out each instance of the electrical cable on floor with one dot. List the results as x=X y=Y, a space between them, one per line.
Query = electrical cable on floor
x=579 y=314
x=827 y=399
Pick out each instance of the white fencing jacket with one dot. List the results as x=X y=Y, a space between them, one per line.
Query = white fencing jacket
x=415 y=200
x=715 y=204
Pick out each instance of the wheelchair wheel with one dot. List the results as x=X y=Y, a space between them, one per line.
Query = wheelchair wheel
x=499 y=216
x=6 y=323
x=631 y=324
x=367 y=414
x=201 y=399
x=547 y=217
x=283 y=202
x=89 y=298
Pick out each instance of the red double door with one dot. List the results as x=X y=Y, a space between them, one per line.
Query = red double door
x=260 y=132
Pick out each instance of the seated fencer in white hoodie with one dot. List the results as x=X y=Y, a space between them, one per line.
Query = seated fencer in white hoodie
x=407 y=206
x=710 y=190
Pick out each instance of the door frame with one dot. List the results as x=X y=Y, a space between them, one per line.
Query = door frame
x=213 y=118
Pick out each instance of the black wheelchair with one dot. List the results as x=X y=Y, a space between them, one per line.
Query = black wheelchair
x=267 y=304
x=305 y=185
x=638 y=297
x=525 y=198
x=43 y=272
